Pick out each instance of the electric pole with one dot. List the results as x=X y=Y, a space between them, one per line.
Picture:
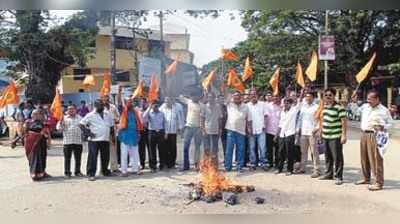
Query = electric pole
x=162 y=56
x=326 y=61
x=112 y=50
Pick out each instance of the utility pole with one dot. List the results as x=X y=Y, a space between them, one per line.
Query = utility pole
x=112 y=48
x=326 y=61
x=163 y=80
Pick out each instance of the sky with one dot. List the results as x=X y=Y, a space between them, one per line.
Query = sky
x=207 y=36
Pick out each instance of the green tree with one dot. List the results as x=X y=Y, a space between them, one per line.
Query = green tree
x=42 y=51
x=284 y=37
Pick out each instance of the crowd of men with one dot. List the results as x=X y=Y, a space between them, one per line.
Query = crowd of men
x=257 y=132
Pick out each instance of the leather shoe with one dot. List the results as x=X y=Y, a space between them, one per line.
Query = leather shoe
x=339 y=182
x=315 y=175
x=326 y=178
x=361 y=182
x=375 y=187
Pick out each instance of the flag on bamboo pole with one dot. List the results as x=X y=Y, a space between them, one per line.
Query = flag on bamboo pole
x=365 y=70
x=299 y=75
x=153 y=89
x=171 y=69
x=89 y=82
x=229 y=55
x=106 y=88
x=9 y=95
x=248 y=71
x=311 y=71
x=274 y=82
x=209 y=79
x=56 y=107
x=234 y=81
x=139 y=91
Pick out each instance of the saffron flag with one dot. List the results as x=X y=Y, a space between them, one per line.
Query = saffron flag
x=208 y=80
x=139 y=91
x=318 y=113
x=229 y=55
x=299 y=75
x=234 y=81
x=10 y=95
x=56 y=107
x=171 y=69
x=274 y=82
x=106 y=88
x=311 y=71
x=365 y=70
x=153 y=89
x=89 y=82
x=248 y=71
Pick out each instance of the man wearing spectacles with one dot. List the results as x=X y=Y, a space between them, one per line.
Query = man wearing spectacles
x=334 y=131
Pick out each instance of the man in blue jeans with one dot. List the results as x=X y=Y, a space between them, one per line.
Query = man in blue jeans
x=239 y=119
x=210 y=123
x=192 y=129
x=257 y=139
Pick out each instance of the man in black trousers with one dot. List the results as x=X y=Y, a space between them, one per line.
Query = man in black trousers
x=72 y=140
x=155 y=119
x=98 y=125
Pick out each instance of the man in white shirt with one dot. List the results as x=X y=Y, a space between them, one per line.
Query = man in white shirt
x=210 y=123
x=173 y=123
x=286 y=135
x=239 y=119
x=112 y=109
x=308 y=127
x=72 y=140
x=98 y=124
x=257 y=139
x=371 y=160
x=192 y=130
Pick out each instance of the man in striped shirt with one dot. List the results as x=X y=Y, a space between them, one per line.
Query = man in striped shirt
x=334 y=129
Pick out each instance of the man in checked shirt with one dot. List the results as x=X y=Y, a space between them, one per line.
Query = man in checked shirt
x=72 y=140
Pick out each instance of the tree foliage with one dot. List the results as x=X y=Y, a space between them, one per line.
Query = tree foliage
x=284 y=37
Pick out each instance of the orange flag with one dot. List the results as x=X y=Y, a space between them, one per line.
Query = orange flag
x=229 y=55
x=171 y=70
x=299 y=75
x=311 y=71
x=153 y=89
x=274 y=82
x=318 y=113
x=365 y=70
x=56 y=107
x=106 y=88
x=207 y=81
x=89 y=82
x=10 y=95
x=234 y=81
x=248 y=71
x=139 y=91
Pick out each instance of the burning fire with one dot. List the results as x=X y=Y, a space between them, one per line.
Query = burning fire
x=213 y=185
x=212 y=181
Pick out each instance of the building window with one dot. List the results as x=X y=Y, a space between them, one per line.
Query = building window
x=122 y=76
x=125 y=43
x=80 y=73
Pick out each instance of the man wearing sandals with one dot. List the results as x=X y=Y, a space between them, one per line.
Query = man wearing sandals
x=374 y=117
x=130 y=126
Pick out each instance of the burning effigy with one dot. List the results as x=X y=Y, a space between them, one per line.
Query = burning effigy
x=214 y=186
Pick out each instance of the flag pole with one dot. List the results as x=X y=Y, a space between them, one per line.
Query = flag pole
x=222 y=73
